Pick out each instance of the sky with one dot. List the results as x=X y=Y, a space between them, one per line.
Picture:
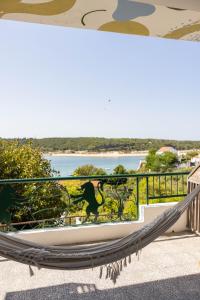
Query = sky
x=57 y=81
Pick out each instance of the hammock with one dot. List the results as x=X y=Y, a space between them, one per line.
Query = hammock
x=112 y=255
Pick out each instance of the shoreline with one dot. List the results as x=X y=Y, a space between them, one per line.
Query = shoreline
x=96 y=154
x=104 y=154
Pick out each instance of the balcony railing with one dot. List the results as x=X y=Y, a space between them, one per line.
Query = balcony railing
x=72 y=201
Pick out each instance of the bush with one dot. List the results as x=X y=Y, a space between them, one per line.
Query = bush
x=120 y=169
x=191 y=154
x=161 y=163
x=88 y=170
x=27 y=202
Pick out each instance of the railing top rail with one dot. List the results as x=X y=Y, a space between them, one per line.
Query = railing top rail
x=96 y=177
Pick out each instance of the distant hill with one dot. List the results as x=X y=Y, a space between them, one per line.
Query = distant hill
x=93 y=144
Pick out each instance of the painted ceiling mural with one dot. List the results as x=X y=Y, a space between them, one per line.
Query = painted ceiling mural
x=122 y=16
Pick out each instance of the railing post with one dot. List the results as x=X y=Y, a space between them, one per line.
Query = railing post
x=188 y=210
x=147 y=190
x=159 y=186
x=165 y=184
x=177 y=185
x=171 y=185
x=137 y=196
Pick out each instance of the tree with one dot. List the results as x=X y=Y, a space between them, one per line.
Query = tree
x=120 y=169
x=89 y=170
x=169 y=161
x=191 y=154
x=40 y=200
x=152 y=162
x=161 y=163
x=21 y=160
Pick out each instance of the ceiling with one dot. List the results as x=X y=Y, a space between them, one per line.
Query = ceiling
x=175 y=19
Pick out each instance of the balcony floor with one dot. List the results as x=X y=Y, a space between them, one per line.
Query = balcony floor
x=168 y=269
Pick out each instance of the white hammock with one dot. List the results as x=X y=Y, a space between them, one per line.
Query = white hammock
x=113 y=254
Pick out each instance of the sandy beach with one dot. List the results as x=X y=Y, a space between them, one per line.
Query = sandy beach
x=106 y=154
x=95 y=154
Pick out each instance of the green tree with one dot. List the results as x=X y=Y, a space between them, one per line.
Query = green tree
x=120 y=169
x=161 y=163
x=88 y=170
x=152 y=162
x=169 y=161
x=191 y=154
x=40 y=200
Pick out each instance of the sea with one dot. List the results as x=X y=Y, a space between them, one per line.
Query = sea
x=66 y=165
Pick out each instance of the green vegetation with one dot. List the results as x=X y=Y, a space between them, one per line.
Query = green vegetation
x=120 y=169
x=89 y=170
x=189 y=156
x=121 y=196
x=161 y=163
x=37 y=201
x=103 y=144
x=46 y=200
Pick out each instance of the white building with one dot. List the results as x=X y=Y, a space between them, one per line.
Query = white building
x=195 y=161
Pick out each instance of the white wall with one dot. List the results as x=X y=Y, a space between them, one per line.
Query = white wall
x=101 y=232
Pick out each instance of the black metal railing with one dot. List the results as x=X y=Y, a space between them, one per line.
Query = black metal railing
x=70 y=201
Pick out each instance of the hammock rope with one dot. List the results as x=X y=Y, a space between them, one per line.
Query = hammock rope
x=113 y=254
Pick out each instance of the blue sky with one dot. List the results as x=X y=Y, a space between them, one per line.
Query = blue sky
x=57 y=81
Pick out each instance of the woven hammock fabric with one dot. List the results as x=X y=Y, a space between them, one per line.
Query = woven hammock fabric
x=112 y=254
x=176 y=19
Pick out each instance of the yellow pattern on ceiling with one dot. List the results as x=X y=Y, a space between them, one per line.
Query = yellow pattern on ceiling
x=122 y=16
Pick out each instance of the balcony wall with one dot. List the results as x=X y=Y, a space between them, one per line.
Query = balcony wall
x=100 y=232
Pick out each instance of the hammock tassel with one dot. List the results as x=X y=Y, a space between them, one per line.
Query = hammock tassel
x=31 y=271
x=101 y=272
x=129 y=259
x=125 y=262
x=121 y=265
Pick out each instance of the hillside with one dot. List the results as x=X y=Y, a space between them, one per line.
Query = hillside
x=91 y=144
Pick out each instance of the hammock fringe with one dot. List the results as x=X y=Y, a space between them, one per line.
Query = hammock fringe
x=112 y=256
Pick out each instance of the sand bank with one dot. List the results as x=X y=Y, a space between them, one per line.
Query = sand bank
x=97 y=154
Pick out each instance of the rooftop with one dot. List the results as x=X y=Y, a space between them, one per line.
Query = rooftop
x=166 y=149
x=167 y=269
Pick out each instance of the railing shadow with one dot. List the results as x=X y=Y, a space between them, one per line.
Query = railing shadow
x=182 y=288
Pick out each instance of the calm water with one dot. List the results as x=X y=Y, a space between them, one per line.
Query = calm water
x=67 y=164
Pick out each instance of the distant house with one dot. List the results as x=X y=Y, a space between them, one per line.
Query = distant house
x=167 y=149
